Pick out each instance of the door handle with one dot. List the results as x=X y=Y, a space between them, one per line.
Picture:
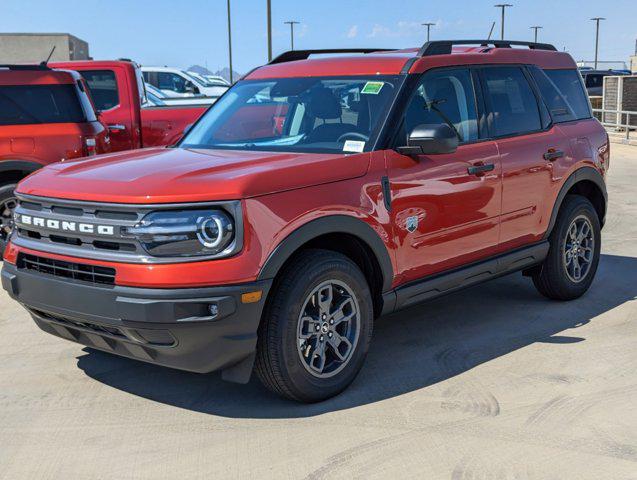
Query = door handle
x=552 y=155
x=478 y=169
x=116 y=127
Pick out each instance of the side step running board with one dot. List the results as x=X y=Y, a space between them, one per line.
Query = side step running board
x=448 y=282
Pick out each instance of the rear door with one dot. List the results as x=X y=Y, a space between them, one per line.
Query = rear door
x=112 y=98
x=528 y=144
x=445 y=208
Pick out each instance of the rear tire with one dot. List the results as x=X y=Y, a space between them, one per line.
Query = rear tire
x=316 y=328
x=575 y=243
x=7 y=205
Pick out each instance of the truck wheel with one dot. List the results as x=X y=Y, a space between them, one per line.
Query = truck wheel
x=8 y=203
x=575 y=242
x=316 y=328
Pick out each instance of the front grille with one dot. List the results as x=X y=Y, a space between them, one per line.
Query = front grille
x=74 y=271
x=73 y=214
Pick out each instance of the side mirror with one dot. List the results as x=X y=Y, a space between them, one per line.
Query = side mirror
x=430 y=140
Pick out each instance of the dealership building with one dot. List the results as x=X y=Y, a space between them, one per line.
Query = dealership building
x=35 y=47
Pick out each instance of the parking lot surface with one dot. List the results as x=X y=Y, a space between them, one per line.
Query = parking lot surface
x=494 y=382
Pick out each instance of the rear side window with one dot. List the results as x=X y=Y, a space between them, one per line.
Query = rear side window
x=569 y=83
x=514 y=107
x=556 y=103
x=36 y=104
x=103 y=85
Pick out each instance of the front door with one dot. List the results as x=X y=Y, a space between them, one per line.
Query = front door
x=445 y=208
x=113 y=100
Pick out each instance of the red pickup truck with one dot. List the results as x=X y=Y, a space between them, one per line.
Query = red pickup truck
x=117 y=88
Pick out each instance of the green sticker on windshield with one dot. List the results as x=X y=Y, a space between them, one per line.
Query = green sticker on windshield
x=372 y=88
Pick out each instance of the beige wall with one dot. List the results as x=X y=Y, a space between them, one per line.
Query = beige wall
x=633 y=63
x=33 y=48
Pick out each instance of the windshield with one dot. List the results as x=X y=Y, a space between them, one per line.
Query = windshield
x=298 y=115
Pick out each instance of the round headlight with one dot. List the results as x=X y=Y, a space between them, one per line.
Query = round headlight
x=185 y=233
x=214 y=230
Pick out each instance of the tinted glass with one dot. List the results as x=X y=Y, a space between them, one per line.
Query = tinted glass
x=103 y=87
x=556 y=103
x=34 y=104
x=513 y=103
x=444 y=96
x=171 y=81
x=297 y=115
x=569 y=83
x=594 y=80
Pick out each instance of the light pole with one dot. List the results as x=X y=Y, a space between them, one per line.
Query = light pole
x=291 y=23
x=230 y=43
x=428 y=25
x=269 y=28
x=535 y=28
x=597 y=20
x=503 y=6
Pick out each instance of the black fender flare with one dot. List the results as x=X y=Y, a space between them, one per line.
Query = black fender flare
x=24 y=166
x=581 y=174
x=326 y=225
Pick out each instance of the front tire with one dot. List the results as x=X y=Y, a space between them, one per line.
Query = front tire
x=575 y=244
x=316 y=329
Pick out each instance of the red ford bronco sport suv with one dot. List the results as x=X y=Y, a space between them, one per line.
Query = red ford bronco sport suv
x=314 y=196
x=46 y=116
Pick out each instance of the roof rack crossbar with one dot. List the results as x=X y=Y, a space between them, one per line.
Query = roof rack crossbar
x=38 y=66
x=443 y=47
x=292 y=55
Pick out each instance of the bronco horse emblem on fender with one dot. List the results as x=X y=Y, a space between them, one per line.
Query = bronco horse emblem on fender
x=412 y=223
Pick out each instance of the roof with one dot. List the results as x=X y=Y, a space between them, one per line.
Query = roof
x=413 y=60
x=37 y=77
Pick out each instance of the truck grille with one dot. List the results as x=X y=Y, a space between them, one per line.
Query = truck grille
x=79 y=229
x=75 y=271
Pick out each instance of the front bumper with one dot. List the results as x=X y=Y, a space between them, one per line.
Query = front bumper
x=170 y=327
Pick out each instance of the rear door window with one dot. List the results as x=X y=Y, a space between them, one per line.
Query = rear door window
x=103 y=85
x=36 y=104
x=569 y=83
x=514 y=108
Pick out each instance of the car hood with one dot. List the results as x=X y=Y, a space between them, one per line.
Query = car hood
x=175 y=175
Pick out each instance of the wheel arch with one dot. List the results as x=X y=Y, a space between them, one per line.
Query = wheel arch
x=344 y=234
x=16 y=170
x=587 y=182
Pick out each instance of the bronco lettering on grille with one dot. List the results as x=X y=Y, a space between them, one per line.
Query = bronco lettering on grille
x=64 y=226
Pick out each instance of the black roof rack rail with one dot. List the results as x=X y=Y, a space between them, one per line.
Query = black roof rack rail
x=443 y=47
x=292 y=55
x=38 y=66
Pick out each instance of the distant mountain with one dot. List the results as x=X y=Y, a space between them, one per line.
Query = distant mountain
x=224 y=72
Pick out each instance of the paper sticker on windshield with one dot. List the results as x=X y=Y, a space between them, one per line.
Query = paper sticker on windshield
x=354 y=146
x=372 y=88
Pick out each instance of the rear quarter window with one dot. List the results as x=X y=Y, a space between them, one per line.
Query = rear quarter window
x=103 y=85
x=569 y=83
x=37 y=104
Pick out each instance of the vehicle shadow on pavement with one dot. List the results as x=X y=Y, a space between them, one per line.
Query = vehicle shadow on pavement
x=411 y=350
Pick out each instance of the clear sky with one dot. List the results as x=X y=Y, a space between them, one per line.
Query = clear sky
x=185 y=32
